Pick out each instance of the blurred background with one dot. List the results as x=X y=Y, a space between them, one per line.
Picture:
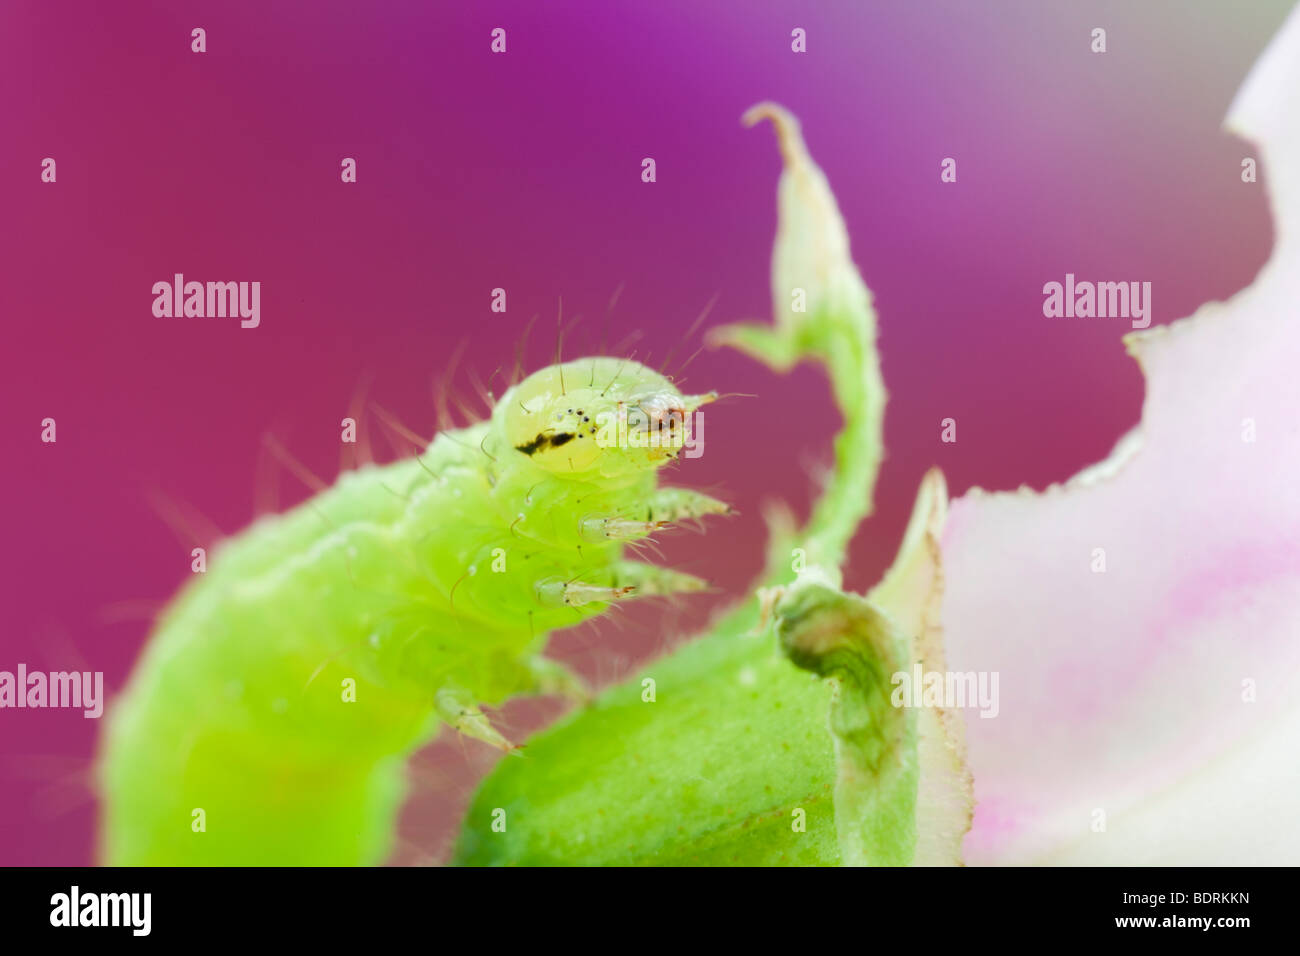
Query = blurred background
x=522 y=171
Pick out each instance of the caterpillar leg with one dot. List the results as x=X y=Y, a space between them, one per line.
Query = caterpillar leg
x=628 y=579
x=663 y=508
x=674 y=504
x=458 y=708
x=557 y=593
x=549 y=676
x=650 y=580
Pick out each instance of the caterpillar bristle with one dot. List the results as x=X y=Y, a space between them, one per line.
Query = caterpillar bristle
x=559 y=343
x=621 y=348
x=486 y=397
x=613 y=299
x=395 y=427
x=691 y=330
x=687 y=363
x=293 y=465
x=470 y=416
x=521 y=346
x=360 y=452
x=441 y=392
x=189 y=526
x=131 y=611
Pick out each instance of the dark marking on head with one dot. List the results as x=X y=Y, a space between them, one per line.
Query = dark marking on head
x=544 y=441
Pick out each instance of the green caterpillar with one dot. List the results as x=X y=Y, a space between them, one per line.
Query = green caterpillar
x=271 y=716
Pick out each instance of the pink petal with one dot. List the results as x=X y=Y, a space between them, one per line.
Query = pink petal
x=1122 y=691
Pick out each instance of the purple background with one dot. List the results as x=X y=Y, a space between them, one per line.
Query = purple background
x=523 y=171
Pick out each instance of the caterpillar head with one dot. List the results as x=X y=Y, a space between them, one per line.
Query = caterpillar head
x=603 y=415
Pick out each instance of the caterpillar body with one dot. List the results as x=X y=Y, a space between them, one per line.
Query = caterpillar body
x=271 y=716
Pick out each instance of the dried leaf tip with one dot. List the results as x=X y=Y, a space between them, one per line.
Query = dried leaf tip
x=789 y=136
